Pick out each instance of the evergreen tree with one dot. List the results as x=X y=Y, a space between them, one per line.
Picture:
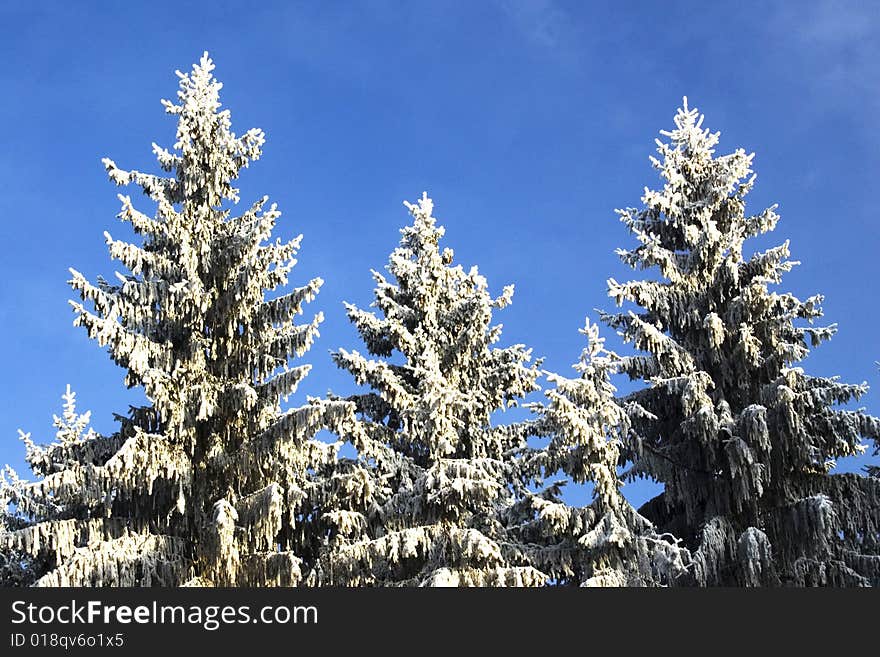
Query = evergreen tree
x=436 y=476
x=41 y=527
x=606 y=543
x=744 y=440
x=211 y=483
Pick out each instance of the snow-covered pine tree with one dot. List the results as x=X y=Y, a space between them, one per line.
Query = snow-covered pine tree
x=17 y=567
x=22 y=566
x=426 y=498
x=210 y=484
x=606 y=543
x=743 y=440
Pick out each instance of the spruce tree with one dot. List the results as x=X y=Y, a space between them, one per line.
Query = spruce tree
x=742 y=438
x=436 y=475
x=211 y=483
x=605 y=543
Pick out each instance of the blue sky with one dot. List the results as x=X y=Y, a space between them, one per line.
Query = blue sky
x=527 y=122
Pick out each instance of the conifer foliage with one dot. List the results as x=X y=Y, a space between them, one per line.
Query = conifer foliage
x=438 y=474
x=606 y=543
x=211 y=483
x=742 y=438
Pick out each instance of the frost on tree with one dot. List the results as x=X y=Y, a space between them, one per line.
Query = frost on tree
x=424 y=503
x=74 y=441
x=606 y=543
x=211 y=484
x=743 y=439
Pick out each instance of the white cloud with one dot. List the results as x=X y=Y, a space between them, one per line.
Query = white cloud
x=836 y=46
x=541 y=22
